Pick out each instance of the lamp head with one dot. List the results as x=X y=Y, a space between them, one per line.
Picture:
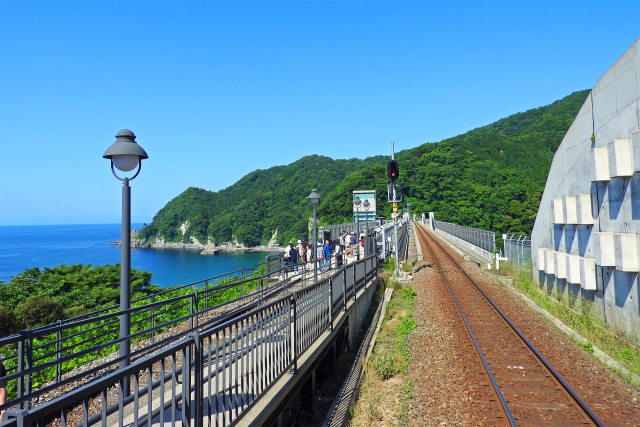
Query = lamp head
x=314 y=197
x=366 y=204
x=125 y=154
x=357 y=201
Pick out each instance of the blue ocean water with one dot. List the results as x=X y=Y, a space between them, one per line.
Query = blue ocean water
x=41 y=246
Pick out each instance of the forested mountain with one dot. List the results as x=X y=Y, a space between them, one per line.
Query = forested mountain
x=491 y=177
x=253 y=208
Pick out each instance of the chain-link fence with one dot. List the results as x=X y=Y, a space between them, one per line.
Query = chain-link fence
x=518 y=250
x=481 y=238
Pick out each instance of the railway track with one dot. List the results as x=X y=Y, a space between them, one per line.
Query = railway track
x=525 y=388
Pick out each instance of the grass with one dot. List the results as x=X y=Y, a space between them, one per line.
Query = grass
x=407 y=266
x=386 y=390
x=581 y=317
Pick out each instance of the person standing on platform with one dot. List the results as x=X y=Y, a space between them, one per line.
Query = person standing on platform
x=320 y=255
x=309 y=253
x=3 y=389
x=293 y=258
x=301 y=253
x=327 y=255
x=338 y=255
x=286 y=258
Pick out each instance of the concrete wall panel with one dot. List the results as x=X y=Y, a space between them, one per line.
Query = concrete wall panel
x=588 y=274
x=635 y=148
x=571 y=209
x=573 y=269
x=561 y=265
x=558 y=211
x=550 y=262
x=604 y=176
x=541 y=258
x=584 y=208
x=606 y=249
x=600 y=156
x=626 y=246
x=620 y=158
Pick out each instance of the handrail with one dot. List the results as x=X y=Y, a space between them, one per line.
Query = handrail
x=268 y=339
x=39 y=349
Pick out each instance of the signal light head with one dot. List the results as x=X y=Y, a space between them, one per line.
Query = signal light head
x=393 y=170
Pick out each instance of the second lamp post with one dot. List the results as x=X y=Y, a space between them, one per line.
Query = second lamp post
x=314 y=199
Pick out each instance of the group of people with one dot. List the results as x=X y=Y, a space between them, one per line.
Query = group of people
x=300 y=255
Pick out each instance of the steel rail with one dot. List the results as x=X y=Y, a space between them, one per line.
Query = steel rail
x=592 y=416
x=496 y=388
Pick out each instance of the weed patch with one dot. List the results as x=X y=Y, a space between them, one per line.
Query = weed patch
x=386 y=382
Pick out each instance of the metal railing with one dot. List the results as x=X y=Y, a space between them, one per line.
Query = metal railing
x=403 y=242
x=217 y=372
x=37 y=360
x=481 y=238
x=49 y=358
x=517 y=249
x=337 y=229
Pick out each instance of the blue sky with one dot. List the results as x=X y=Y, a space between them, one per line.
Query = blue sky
x=214 y=90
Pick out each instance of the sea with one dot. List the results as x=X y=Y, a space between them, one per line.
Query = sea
x=23 y=247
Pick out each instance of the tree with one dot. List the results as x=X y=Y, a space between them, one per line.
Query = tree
x=38 y=311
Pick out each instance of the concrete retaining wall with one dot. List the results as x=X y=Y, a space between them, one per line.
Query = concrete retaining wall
x=586 y=238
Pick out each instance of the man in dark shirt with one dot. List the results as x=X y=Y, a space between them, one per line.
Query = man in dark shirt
x=293 y=257
x=3 y=390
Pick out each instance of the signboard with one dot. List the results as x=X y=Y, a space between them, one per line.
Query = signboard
x=370 y=212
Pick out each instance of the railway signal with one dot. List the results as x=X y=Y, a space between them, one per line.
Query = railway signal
x=393 y=170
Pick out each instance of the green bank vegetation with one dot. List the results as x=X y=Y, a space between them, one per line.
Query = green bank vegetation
x=37 y=297
x=491 y=177
x=581 y=317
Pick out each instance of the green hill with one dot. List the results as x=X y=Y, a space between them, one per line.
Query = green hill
x=253 y=208
x=491 y=177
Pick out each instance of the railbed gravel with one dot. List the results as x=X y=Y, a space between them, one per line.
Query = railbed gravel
x=441 y=365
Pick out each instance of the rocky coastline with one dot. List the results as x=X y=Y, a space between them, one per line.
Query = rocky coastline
x=204 y=248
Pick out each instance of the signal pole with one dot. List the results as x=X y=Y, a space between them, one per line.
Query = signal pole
x=393 y=171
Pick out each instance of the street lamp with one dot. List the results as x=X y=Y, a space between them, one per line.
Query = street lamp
x=366 y=205
x=126 y=155
x=357 y=202
x=314 y=199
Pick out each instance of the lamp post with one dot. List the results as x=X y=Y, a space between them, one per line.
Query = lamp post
x=366 y=205
x=409 y=211
x=314 y=199
x=126 y=155
x=357 y=202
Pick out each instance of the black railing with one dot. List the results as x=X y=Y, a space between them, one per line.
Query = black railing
x=218 y=370
x=36 y=360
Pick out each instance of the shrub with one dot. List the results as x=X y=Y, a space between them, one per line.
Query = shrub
x=8 y=322
x=38 y=311
x=72 y=312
